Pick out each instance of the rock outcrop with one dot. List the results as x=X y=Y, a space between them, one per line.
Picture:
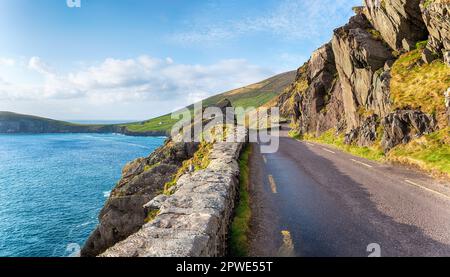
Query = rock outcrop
x=142 y=180
x=346 y=86
x=315 y=88
x=403 y=125
x=360 y=62
x=399 y=22
x=194 y=221
x=321 y=77
x=436 y=14
x=366 y=134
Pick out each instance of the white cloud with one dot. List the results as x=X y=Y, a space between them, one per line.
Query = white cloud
x=291 y=20
x=142 y=78
x=7 y=62
x=36 y=64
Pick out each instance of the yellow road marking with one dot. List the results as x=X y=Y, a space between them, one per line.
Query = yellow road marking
x=329 y=151
x=273 y=185
x=364 y=164
x=287 y=248
x=427 y=189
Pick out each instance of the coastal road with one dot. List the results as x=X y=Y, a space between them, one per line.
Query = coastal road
x=311 y=200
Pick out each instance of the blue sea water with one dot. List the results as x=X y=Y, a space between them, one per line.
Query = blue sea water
x=53 y=186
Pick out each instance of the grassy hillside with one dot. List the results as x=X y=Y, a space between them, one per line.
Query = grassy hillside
x=254 y=95
x=420 y=86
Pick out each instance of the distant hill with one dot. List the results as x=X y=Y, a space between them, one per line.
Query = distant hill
x=253 y=95
x=19 y=123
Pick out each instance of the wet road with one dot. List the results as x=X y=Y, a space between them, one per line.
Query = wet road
x=312 y=200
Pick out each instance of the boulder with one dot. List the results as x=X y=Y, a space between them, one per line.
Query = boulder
x=399 y=22
x=402 y=126
x=366 y=134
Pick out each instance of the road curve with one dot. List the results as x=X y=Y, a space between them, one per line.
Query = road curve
x=312 y=200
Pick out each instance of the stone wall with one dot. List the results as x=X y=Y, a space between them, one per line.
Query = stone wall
x=195 y=220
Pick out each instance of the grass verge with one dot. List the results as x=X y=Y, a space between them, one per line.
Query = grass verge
x=374 y=152
x=241 y=223
x=430 y=153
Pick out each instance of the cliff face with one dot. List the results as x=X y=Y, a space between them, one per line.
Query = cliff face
x=347 y=84
x=436 y=15
x=399 y=22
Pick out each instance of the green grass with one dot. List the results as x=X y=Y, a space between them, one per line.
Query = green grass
x=420 y=86
x=152 y=214
x=240 y=227
x=374 y=152
x=430 y=153
x=163 y=123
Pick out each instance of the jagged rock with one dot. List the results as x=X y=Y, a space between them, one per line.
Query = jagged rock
x=288 y=101
x=366 y=134
x=359 y=56
x=436 y=15
x=403 y=125
x=320 y=75
x=314 y=101
x=399 y=22
x=333 y=115
x=124 y=212
x=378 y=99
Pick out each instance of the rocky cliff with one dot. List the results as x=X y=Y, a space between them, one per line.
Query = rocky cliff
x=379 y=80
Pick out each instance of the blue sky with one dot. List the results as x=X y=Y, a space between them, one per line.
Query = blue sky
x=137 y=59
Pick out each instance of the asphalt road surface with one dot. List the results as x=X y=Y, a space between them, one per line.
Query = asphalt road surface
x=312 y=200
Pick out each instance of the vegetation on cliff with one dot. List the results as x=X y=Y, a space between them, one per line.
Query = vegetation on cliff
x=420 y=85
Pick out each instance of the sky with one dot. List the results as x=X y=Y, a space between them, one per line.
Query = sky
x=137 y=59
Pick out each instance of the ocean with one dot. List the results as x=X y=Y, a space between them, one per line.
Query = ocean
x=52 y=187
